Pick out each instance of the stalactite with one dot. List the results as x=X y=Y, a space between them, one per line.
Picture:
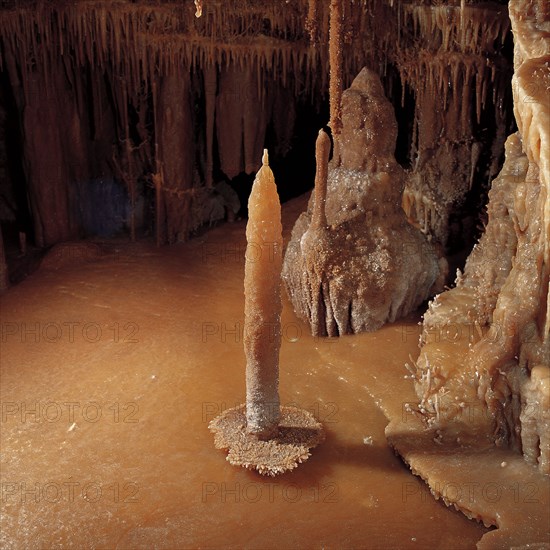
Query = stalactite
x=157 y=182
x=198 y=6
x=311 y=22
x=143 y=44
x=4 y=278
x=210 y=86
x=476 y=153
x=157 y=177
x=176 y=154
x=129 y=173
x=449 y=52
x=335 y=47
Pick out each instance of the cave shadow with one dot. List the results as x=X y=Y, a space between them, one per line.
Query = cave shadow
x=318 y=470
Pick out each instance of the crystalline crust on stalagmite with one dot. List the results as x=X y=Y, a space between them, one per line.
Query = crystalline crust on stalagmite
x=531 y=85
x=496 y=318
x=298 y=433
x=365 y=265
x=457 y=322
x=483 y=374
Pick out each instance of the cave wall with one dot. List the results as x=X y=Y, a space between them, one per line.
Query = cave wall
x=456 y=63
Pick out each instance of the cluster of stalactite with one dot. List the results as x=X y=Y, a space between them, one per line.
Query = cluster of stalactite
x=454 y=65
x=148 y=96
x=151 y=98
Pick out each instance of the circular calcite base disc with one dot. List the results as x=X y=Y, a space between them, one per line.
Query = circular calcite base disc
x=298 y=433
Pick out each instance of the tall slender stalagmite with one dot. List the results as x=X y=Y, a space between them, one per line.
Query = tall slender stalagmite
x=262 y=338
x=322 y=152
x=261 y=435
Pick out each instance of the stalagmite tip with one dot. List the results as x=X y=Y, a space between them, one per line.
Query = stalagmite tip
x=265 y=158
x=323 y=136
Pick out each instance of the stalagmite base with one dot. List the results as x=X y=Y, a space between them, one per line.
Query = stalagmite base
x=298 y=433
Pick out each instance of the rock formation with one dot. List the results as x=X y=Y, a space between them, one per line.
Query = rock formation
x=360 y=264
x=483 y=372
x=262 y=435
x=483 y=339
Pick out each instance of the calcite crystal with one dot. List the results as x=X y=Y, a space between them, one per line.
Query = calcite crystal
x=363 y=264
x=298 y=432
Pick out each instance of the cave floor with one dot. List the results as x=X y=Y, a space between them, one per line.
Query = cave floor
x=111 y=370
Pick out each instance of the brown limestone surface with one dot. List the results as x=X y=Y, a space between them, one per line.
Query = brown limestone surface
x=493 y=486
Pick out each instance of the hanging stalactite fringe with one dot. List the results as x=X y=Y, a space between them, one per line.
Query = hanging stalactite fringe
x=130 y=51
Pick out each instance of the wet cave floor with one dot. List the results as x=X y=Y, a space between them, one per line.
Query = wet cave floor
x=111 y=369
